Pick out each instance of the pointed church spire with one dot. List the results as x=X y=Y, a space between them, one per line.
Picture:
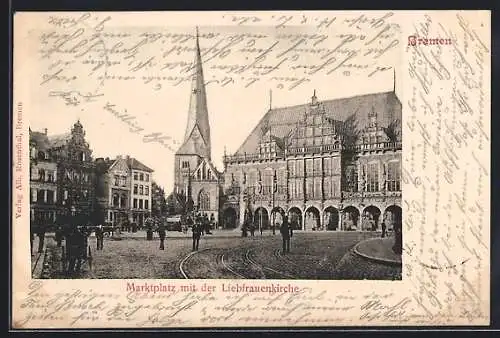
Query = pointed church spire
x=197 y=136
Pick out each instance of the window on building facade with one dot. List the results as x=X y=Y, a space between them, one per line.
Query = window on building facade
x=116 y=180
x=351 y=177
x=204 y=200
x=146 y=190
x=185 y=164
x=291 y=168
x=372 y=177
x=135 y=203
x=147 y=177
x=299 y=166
x=50 y=176
x=309 y=167
x=327 y=188
x=141 y=177
x=317 y=166
x=140 y=204
x=267 y=181
x=136 y=176
x=123 y=201
x=394 y=176
x=309 y=188
x=141 y=190
x=135 y=189
x=299 y=188
x=41 y=174
x=146 y=204
x=115 y=200
x=291 y=190
x=317 y=187
x=40 y=195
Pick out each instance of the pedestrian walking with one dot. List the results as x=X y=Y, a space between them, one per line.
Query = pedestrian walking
x=286 y=233
x=59 y=235
x=41 y=237
x=32 y=239
x=99 y=235
x=252 y=230
x=384 y=229
x=196 y=235
x=162 y=234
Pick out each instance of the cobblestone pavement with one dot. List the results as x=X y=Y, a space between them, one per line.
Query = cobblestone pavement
x=353 y=266
x=312 y=256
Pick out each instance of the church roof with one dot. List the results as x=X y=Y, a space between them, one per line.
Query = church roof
x=282 y=121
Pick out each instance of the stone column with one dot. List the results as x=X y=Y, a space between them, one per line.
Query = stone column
x=45 y=196
x=339 y=226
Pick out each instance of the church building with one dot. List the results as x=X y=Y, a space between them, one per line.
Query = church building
x=197 y=180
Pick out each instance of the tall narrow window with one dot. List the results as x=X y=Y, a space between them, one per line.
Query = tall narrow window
x=372 y=177
x=393 y=176
x=204 y=200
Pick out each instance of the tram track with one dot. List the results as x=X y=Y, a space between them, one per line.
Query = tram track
x=263 y=267
x=38 y=255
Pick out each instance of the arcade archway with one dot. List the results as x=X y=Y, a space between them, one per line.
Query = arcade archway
x=312 y=219
x=229 y=218
x=393 y=216
x=331 y=218
x=295 y=218
x=261 y=218
x=371 y=216
x=277 y=216
x=350 y=219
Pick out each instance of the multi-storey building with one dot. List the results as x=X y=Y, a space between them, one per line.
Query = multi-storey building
x=331 y=165
x=43 y=177
x=123 y=189
x=140 y=198
x=75 y=173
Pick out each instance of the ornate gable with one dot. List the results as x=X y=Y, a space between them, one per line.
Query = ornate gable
x=205 y=171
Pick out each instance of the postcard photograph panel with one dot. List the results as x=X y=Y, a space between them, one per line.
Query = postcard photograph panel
x=251 y=169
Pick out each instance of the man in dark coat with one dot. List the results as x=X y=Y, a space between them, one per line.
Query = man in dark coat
x=41 y=237
x=99 y=235
x=196 y=235
x=286 y=233
x=384 y=229
x=162 y=233
x=59 y=235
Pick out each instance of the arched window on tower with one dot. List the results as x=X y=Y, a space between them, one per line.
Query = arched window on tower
x=204 y=200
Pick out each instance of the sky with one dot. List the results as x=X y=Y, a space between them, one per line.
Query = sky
x=233 y=109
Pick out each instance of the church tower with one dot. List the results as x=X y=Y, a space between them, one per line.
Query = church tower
x=196 y=146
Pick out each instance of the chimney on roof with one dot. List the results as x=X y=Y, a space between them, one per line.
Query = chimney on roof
x=107 y=159
x=45 y=130
x=128 y=157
